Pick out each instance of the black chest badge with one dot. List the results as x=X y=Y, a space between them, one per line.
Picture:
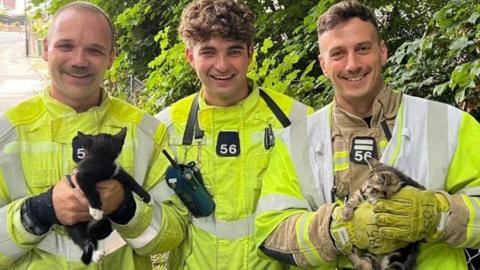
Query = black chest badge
x=363 y=148
x=78 y=151
x=228 y=144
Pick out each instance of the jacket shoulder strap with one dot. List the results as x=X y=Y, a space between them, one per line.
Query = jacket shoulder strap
x=275 y=109
x=192 y=127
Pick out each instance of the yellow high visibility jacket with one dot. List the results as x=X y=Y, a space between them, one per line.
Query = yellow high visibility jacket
x=232 y=157
x=432 y=142
x=36 y=152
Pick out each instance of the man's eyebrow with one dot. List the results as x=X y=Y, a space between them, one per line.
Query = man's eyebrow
x=236 y=47
x=99 y=46
x=364 y=43
x=63 y=40
x=207 y=48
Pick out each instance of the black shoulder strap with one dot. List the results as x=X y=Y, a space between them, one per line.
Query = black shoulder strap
x=275 y=109
x=385 y=128
x=192 y=124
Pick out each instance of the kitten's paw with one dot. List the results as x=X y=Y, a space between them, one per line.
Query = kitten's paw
x=95 y=213
x=347 y=213
x=98 y=256
x=372 y=200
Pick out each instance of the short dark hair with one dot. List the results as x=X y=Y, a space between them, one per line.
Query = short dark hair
x=344 y=11
x=227 y=19
x=86 y=6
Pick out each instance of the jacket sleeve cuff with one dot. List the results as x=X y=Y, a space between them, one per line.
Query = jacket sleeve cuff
x=320 y=233
x=23 y=236
x=459 y=220
x=125 y=212
x=38 y=214
x=138 y=223
x=304 y=236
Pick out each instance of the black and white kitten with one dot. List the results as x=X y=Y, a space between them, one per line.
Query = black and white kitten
x=99 y=164
x=383 y=181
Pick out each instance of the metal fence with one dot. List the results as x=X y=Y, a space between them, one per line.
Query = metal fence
x=135 y=86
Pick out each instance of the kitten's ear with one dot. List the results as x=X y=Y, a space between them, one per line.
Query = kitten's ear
x=85 y=140
x=120 y=136
x=372 y=162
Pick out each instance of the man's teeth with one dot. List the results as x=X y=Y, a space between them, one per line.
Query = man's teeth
x=222 y=77
x=79 y=75
x=355 y=79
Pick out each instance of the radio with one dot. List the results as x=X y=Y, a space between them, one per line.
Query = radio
x=187 y=182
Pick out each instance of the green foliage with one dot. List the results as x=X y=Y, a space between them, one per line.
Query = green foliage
x=435 y=56
x=137 y=26
x=444 y=64
x=171 y=77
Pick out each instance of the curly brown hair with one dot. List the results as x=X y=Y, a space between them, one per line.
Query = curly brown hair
x=227 y=19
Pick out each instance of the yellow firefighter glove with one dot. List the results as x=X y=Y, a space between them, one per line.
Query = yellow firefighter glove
x=412 y=215
x=360 y=231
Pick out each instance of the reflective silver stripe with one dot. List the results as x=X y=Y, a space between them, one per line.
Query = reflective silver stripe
x=473 y=231
x=340 y=161
x=161 y=192
x=393 y=147
x=230 y=230
x=62 y=245
x=309 y=144
x=298 y=111
x=437 y=133
x=278 y=203
x=470 y=191
x=150 y=232
x=144 y=146
x=165 y=117
x=10 y=162
x=320 y=138
x=428 y=134
x=7 y=247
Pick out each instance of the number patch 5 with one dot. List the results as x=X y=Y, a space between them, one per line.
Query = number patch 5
x=363 y=148
x=78 y=151
x=228 y=144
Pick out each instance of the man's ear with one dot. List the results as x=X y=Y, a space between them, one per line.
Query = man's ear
x=383 y=52
x=112 y=56
x=321 y=60
x=45 y=50
x=250 y=51
x=189 y=56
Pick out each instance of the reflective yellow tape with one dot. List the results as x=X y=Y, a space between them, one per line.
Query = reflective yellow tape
x=305 y=245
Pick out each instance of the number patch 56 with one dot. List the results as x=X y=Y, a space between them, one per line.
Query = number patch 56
x=228 y=144
x=363 y=148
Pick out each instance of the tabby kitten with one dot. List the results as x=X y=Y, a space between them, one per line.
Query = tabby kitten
x=99 y=164
x=383 y=181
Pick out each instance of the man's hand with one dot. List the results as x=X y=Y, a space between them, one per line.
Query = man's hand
x=360 y=231
x=412 y=215
x=70 y=205
x=112 y=195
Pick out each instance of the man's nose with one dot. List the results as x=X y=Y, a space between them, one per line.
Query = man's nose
x=79 y=59
x=353 y=62
x=222 y=63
